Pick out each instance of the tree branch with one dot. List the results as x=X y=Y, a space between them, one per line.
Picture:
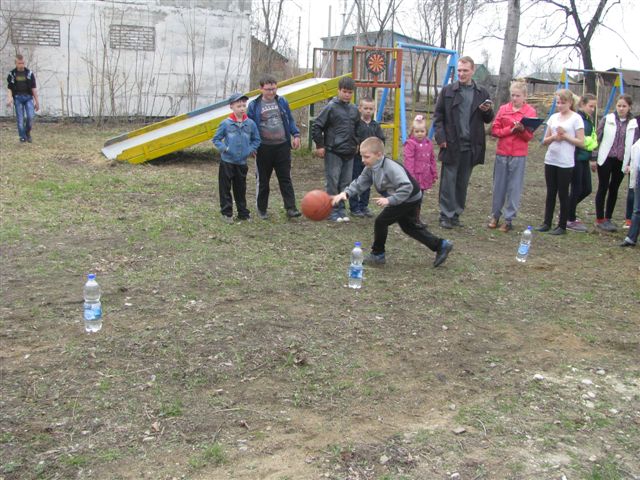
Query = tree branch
x=559 y=45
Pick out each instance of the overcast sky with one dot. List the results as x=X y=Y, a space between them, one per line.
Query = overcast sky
x=608 y=50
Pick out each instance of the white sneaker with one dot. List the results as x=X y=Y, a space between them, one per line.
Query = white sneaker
x=345 y=219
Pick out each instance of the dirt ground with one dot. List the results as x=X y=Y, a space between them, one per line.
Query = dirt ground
x=237 y=352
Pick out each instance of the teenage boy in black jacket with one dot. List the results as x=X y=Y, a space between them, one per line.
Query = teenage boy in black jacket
x=334 y=132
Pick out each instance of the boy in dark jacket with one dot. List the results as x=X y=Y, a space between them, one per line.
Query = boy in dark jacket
x=401 y=198
x=365 y=128
x=334 y=132
x=23 y=94
x=237 y=137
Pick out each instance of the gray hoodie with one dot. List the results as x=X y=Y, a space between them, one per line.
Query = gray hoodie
x=390 y=179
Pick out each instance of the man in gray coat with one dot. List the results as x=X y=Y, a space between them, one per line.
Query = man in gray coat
x=462 y=109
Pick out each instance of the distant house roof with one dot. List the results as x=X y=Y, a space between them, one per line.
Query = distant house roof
x=388 y=39
x=260 y=47
x=547 y=77
x=482 y=73
x=629 y=77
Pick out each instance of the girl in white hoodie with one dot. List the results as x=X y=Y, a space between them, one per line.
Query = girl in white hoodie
x=615 y=137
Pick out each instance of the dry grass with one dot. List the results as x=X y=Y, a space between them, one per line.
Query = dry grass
x=235 y=351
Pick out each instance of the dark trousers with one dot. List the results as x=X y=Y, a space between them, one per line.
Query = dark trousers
x=558 y=181
x=609 y=179
x=233 y=177
x=405 y=214
x=337 y=172
x=278 y=158
x=580 y=186
x=454 y=181
x=358 y=203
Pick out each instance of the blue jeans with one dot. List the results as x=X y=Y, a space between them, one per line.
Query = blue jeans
x=630 y=197
x=635 y=218
x=24 y=108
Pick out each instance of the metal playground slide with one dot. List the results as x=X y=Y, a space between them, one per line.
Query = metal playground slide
x=188 y=129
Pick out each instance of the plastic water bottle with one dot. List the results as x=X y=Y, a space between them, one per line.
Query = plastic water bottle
x=92 y=305
x=356 y=269
x=525 y=243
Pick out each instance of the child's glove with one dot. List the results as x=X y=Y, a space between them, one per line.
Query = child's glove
x=591 y=142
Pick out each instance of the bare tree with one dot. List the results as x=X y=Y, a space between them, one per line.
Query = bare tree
x=565 y=25
x=269 y=20
x=445 y=23
x=509 y=47
x=195 y=35
x=377 y=16
x=68 y=15
x=460 y=17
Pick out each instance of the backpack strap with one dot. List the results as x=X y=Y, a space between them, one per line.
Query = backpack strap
x=414 y=183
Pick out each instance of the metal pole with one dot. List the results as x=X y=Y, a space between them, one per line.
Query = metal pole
x=403 y=107
x=396 y=133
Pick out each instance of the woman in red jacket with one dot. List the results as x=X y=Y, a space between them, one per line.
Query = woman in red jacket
x=511 y=156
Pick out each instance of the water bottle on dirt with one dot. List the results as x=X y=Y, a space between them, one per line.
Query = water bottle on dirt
x=356 y=269
x=525 y=243
x=92 y=305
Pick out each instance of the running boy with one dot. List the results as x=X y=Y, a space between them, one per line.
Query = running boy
x=334 y=132
x=237 y=137
x=365 y=128
x=401 y=197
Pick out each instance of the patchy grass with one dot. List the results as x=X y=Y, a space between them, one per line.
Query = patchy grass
x=236 y=351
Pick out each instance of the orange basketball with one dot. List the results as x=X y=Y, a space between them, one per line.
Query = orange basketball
x=316 y=205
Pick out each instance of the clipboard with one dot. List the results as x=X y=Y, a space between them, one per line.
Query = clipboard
x=531 y=123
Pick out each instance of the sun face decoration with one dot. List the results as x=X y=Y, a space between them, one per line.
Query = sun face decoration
x=376 y=62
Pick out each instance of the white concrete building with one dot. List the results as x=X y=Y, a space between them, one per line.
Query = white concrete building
x=128 y=57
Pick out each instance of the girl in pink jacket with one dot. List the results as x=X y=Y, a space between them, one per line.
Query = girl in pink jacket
x=511 y=156
x=419 y=159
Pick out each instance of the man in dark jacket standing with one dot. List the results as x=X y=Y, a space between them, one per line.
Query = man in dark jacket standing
x=462 y=109
x=272 y=115
x=22 y=92
x=334 y=132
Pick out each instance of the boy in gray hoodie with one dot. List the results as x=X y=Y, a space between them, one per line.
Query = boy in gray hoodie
x=400 y=196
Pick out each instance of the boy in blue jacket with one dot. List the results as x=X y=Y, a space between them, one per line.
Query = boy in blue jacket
x=237 y=137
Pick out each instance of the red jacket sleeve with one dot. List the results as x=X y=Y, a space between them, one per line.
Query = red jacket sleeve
x=498 y=129
x=526 y=135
